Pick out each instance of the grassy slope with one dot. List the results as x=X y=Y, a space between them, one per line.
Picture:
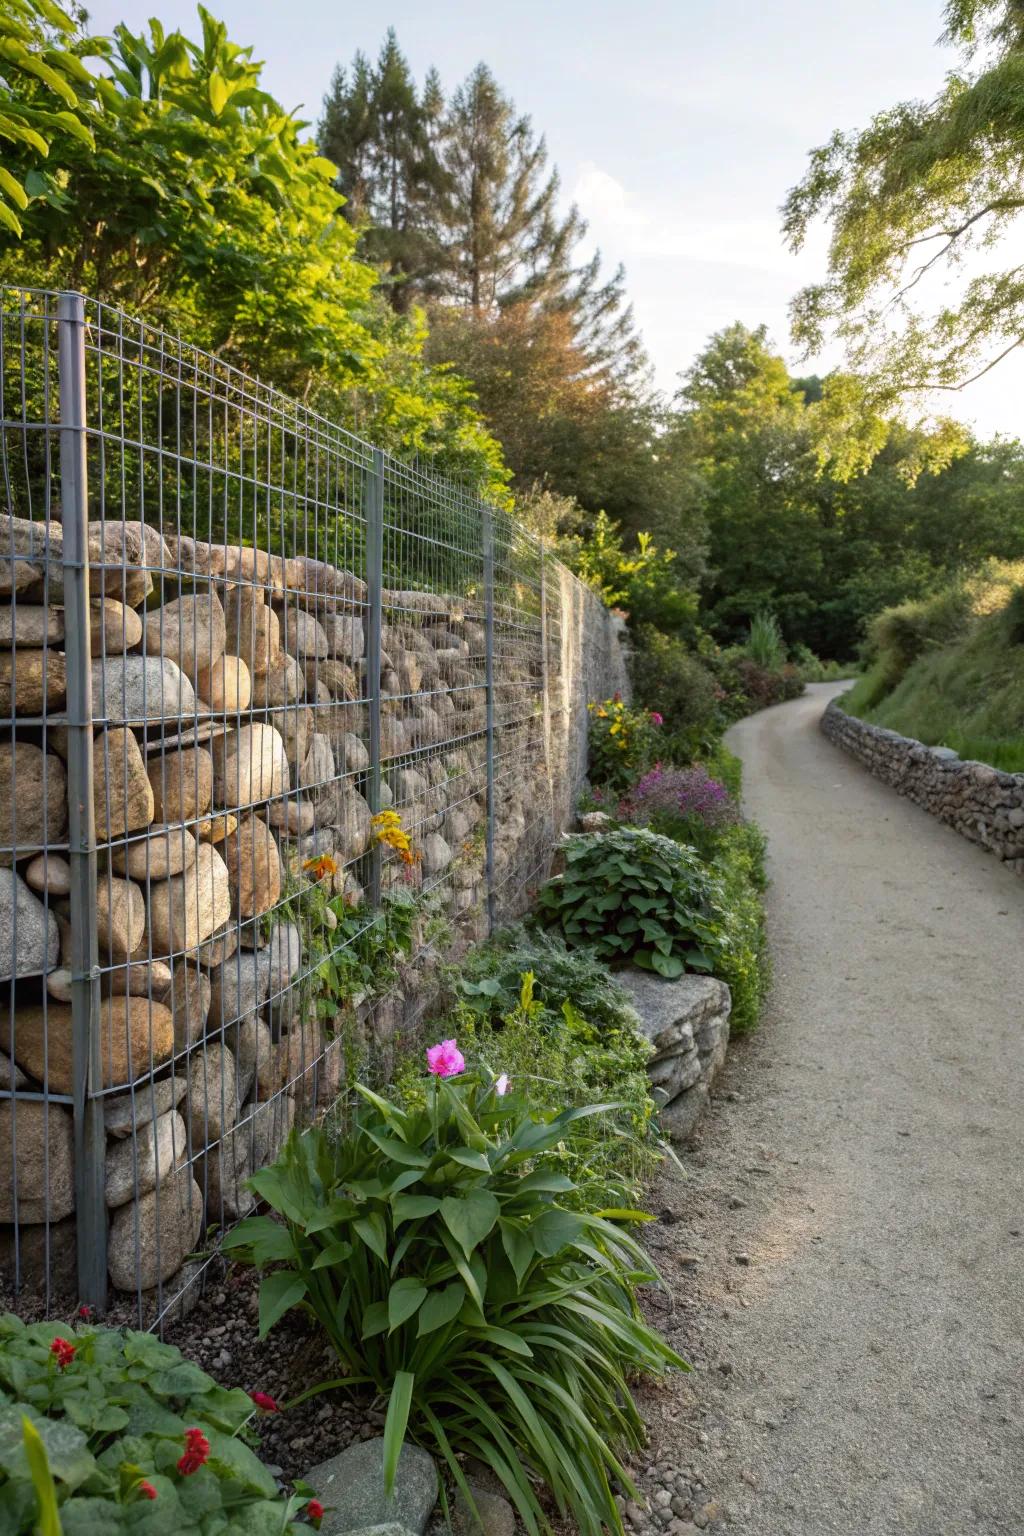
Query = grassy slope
x=968 y=695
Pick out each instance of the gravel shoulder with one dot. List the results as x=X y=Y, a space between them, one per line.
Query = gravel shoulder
x=845 y=1261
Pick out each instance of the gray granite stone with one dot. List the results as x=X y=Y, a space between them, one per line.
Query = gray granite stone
x=353 y=1482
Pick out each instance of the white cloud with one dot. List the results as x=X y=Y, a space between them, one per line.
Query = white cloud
x=633 y=229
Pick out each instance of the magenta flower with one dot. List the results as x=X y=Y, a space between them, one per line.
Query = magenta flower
x=445 y=1059
x=657 y=719
x=501 y=1085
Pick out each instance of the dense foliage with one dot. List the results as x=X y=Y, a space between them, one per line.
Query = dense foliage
x=925 y=187
x=444 y=1254
x=949 y=671
x=181 y=188
x=636 y=898
x=108 y=1430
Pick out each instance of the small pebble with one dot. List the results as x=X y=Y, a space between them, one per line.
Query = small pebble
x=742 y=1258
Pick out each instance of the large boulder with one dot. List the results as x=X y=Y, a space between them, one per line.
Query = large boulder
x=226 y=686
x=164 y=851
x=33 y=800
x=32 y=682
x=137 y=1164
x=151 y=1237
x=29 y=933
x=254 y=868
x=188 y=908
x=182 y=783
x=212 y=1093
x=140 y=690
x=190 y=631
x=135 y=1036
x=122 y=792
x=38 y=1161
x=253 y=629
x=120 y=918
x=249 y=765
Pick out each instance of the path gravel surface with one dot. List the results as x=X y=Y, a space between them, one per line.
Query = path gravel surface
x=845 y=1262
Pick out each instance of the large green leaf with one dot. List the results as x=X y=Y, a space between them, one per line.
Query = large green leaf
x=470 y=1218
x=278 y=1293
x=404 y=1299
x=440 y=1308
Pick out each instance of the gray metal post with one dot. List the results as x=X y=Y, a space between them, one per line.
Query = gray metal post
x=488 y=543
x=373 y=510
x=87 y=1065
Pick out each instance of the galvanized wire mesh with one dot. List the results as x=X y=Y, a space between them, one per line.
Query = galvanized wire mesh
x=231 y=634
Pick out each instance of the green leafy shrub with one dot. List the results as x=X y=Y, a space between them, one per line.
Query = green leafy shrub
x=556 y=1022
x=438 y=1250
x=124 y=1434
x=765 y=644
x=669 y=678
x=744 y=961
x=636 y=898
x=621 y=742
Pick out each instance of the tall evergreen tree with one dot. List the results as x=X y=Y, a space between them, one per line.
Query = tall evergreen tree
x=382 y=136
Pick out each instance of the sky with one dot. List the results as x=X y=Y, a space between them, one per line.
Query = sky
x=677 y=126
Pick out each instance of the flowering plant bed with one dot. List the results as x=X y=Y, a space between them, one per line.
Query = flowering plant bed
x=105 y=1430
x=437 y=1249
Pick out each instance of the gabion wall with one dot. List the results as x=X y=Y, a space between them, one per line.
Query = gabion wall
x=231 y=634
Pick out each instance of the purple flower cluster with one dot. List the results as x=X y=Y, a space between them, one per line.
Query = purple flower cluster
x=677 y=792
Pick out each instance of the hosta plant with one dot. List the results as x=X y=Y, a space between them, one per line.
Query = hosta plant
x=435 y=1248
x=637 y=898
x=108 y=1431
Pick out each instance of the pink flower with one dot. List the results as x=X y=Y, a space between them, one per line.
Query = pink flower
x=445 y=1059
x=657 y=719
x=501 y=1086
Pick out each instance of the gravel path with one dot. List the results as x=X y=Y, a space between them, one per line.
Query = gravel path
x=846 y=1258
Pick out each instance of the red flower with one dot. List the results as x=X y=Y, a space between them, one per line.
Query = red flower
x=65 y=1352
x=197 y=1450
x=265 y=1401
x=147 y=1490
x=85 y=1312
x=315 y=1511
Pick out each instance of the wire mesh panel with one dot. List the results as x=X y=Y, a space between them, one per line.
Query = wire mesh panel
x=273 y=706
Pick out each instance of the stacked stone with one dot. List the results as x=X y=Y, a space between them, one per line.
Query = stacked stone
x=231 y=761
x=687 y=1024
x=230 y=753
x=978 y=801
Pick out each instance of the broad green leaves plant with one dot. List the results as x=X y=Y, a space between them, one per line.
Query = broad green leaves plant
x=637 y=898
x=46 y=92
x=438 y=1252
x=91 y=1438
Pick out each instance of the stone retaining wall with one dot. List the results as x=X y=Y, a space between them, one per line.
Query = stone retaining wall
x=978 y=801
x=230 y=716
x=687 y=1024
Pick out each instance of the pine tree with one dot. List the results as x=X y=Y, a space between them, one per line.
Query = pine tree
x=382 y=137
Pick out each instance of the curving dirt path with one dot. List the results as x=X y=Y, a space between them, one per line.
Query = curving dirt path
x=847 y=1256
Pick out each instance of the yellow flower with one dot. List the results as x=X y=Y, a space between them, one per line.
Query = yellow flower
x=387 y=829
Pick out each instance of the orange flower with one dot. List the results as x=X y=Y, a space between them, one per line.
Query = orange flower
x=321 y=867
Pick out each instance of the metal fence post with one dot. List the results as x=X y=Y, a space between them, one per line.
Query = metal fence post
x=487 y=530
x=373 y=510
x=87 y=1066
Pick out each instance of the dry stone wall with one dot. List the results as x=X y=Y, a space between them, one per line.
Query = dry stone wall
x=231 y=773
x=978 y=801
